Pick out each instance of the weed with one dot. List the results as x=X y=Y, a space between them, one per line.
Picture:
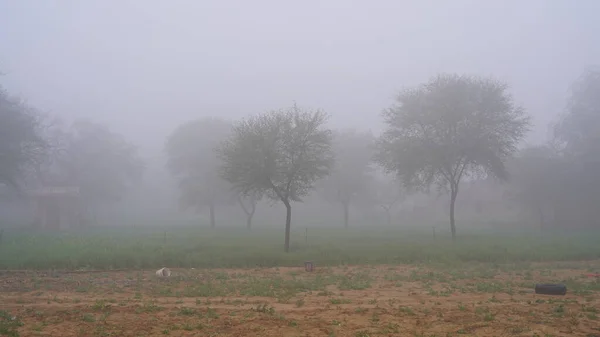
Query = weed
x=359 y=281
x=212 y=313
x=150 y=307
x=101 y=305
x=407 y=311
x=89 y=318
x=338 y=301
x=187 y=311
x=265 y=309
x=360 y=310
x=9 y=325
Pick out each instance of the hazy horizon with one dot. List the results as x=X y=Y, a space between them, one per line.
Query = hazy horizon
x=144 y=67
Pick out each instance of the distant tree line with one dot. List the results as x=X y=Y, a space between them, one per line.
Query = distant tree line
x=559 y=182
x=438 y=134
x=38 y=151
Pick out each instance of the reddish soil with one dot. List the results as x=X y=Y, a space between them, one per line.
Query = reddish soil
x=357 y=302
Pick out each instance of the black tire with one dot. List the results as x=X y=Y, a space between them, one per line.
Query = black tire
x=551 y=289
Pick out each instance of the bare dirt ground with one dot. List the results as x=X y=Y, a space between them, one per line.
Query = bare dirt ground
x=343 y=301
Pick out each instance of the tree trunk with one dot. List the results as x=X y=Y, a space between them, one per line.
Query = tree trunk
x=249 y=212
x=212 y=216
x=542 y=219
x=346 y=213
x=249 y=221
x=288 y=223
x=388 y=216
x=453 y=195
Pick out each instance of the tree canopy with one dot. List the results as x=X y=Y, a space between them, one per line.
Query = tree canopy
x=102 y=163
x=579 y=128
x=280 y=154
x=193 y=161
x=351 y=177
x=448 y=128
x=21 y=143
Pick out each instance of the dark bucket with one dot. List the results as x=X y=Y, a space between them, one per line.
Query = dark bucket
x=309 y=266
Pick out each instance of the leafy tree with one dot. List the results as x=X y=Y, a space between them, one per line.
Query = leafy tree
x=449 y=128
x=351 y=176
x=578 y=135
x=579 y=128
x=193 y=161
x=535 y=181
x=388 y=194
x=91 y=157
x=21 y=144
x=279 y=153
x=102 y=163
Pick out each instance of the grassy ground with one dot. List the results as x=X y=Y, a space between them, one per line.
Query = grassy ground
x=227 y=248
x=370 y=282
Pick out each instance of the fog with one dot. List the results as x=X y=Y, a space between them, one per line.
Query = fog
x=145 y=67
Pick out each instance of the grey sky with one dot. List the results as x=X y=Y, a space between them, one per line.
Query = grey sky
x=144 y=66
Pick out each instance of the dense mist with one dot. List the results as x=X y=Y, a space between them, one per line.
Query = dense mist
x=136 y=72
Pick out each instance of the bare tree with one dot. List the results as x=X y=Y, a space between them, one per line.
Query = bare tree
x=248 y=204
x=279 y=153
x=448 y=128
x=351 y=177
x=192 y=160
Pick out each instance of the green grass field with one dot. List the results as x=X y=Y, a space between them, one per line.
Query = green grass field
x=231 y=248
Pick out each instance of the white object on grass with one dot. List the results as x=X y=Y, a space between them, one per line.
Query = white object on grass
x=163 y=272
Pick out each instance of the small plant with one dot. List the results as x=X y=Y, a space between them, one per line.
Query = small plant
x=493 y=299
x=101 y=305
x=265 y=309
x=488 y=317
x=391 y=328
x=360 y=310
x=148 y=308
x=559 y=310
x=89 y=318
x=407 y=310
x=359 y=281
x=211 y=313
x=9 y=325
x=338 y=301
x=187 y=311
